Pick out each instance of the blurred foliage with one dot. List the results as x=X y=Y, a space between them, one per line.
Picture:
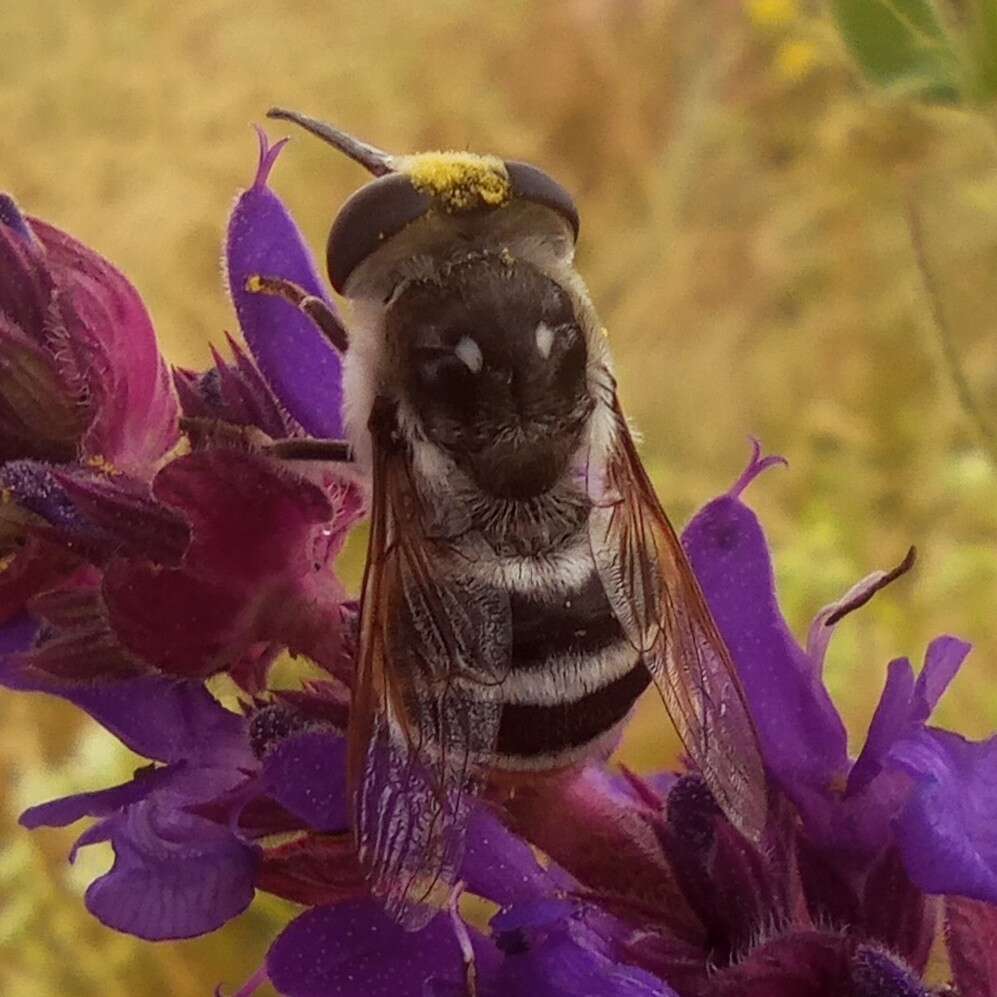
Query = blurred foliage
x=899 y=41
x=747 y=196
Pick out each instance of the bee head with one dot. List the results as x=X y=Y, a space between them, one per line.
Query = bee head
x=422 y=204
x=485 y=347
x=492 y=362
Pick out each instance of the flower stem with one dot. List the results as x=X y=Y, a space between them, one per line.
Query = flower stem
x=943 y=332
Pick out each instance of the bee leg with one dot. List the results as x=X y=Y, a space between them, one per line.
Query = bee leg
x=464 y=941
x=338 y=451
x=319 y=311
x=203 y=432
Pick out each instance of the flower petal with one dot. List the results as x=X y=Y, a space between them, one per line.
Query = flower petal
x=942 y=661
x=164 y=719
x=175 y=875
x=797 y=964
x=306 y=774
x=499 y=866
x=970 y=930
x=16 y=636
x=102 y=803
x=94 y=515
x=355 y=950
x=256 y=571
x=905 y=704
x=251 y=519
x=234 y=392
x=109 y=347
x=946 y=832
x=891 y=721
x=895 y=913
x=172 y=619
x=304 y=371
x=550 y=949
x=803 y=739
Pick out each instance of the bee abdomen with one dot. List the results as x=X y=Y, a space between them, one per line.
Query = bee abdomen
x=573 y=677
x=577 y=621
x=553 y=735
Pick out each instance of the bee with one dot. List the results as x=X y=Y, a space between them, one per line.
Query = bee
x=523 y=584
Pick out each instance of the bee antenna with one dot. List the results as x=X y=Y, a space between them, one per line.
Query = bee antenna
x=371 y=158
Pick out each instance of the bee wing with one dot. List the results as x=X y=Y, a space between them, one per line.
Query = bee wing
x=663 y=612
x=422 y=719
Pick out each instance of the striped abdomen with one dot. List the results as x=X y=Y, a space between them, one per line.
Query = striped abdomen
x=573 y=675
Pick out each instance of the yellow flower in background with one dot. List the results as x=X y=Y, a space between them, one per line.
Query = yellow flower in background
x=773 y=13
x=795 y=59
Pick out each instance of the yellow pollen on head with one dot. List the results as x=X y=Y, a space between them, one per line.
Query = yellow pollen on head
x=460 y=181
x=6 y=561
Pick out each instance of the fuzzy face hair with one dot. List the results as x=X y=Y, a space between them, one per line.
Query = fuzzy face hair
x=532 y=290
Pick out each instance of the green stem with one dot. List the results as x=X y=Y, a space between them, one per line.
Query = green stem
x=943 y=332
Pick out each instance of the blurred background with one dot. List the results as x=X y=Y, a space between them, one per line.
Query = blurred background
x=778 y=248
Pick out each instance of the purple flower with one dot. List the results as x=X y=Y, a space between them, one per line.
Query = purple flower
x=148 y=577
x=222 y=562
x=355 y=950
x=185 y=831
x=175 y=874
x=256 y=571
x=563 y=949
x=538 y=943
x=847 y=807
x=854 y=849
x=300 y=365
x=80 y=355
x=136 y=582
x=78 y=364
x=217 y=564
x=221 y=559
x=947 y=831
x=235 y=393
